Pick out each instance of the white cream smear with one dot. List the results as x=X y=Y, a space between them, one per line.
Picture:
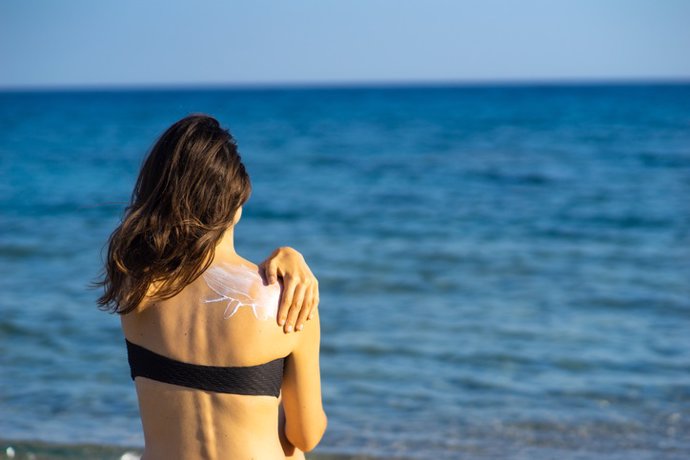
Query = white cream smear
x=241 y=286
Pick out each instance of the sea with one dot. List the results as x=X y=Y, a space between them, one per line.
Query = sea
x=504 y=269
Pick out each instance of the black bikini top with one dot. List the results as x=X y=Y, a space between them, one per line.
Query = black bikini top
x=263 y=379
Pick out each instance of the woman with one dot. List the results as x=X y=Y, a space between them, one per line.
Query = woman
x=215 y=373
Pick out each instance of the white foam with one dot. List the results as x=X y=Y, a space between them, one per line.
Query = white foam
x=241 y=286
x=130 y=456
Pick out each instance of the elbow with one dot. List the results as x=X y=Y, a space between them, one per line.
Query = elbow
x=310 y=437
x=316 y=436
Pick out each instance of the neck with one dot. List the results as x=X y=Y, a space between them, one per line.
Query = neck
x=226 y=245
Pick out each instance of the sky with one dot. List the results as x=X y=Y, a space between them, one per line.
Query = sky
x=87 y=43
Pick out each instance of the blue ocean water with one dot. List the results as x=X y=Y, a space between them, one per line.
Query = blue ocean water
x=505 y=271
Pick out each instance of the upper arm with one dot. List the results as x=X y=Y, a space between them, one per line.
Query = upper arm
x=305 y=420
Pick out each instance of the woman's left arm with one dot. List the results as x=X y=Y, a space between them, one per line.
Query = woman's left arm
x=300 y=294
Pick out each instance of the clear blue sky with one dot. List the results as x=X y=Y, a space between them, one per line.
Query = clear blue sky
x=150 y=42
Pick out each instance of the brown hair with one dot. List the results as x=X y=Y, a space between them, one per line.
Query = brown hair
x=189 y=188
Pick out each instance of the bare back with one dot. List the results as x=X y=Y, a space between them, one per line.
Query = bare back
x=224 y=318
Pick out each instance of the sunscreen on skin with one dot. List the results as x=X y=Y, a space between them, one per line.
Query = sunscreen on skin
x=241 y=286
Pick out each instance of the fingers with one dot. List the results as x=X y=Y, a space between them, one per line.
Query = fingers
x=315 y=301
x=286 y=297
x=298 y=300
x=305 y=311
x=309 y=301
x=309 y=305
x=262 y=273
x=270 y=269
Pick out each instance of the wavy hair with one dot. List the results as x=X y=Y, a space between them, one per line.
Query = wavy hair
x=189 y=188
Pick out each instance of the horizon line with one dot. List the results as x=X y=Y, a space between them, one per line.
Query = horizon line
x=345 y=84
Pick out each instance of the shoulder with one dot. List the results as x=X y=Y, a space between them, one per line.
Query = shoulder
x=241 y=282
x=236 y=262
x=235 y=270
